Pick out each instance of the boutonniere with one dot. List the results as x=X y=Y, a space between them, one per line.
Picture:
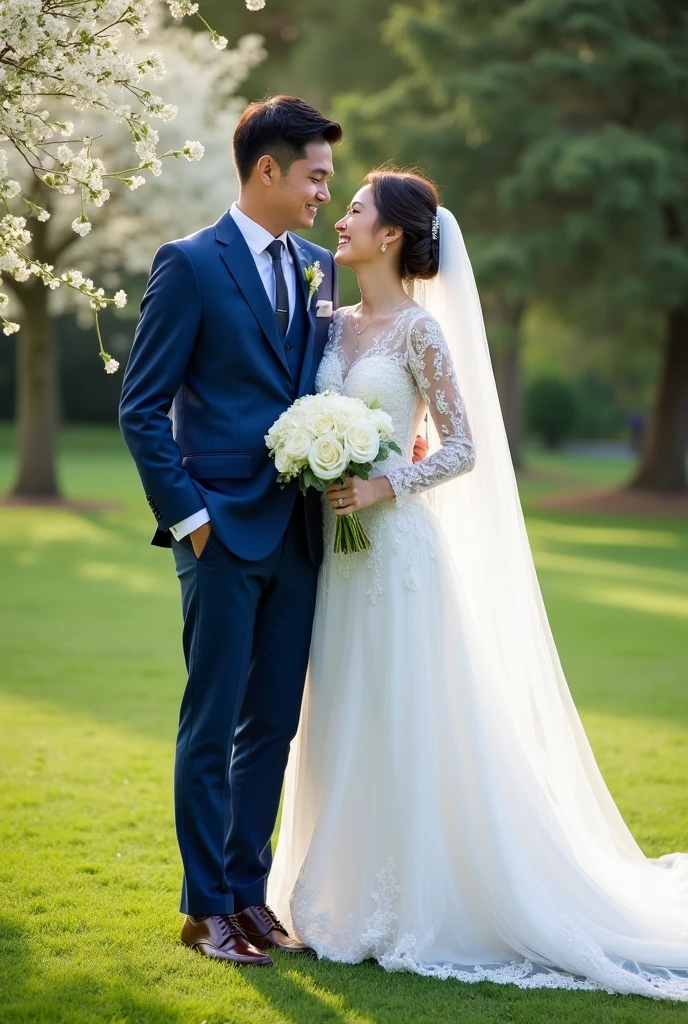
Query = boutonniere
x=314 y=278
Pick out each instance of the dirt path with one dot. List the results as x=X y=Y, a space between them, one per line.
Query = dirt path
x=618 y=502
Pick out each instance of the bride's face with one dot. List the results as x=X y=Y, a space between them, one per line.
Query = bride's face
x=359 y=236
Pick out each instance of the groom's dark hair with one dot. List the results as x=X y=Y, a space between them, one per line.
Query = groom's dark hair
x=281 y=126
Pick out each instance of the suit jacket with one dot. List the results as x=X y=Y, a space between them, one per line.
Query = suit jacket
x=207 y=377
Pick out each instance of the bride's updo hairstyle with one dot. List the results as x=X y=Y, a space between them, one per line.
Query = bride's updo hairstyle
x=407 y=200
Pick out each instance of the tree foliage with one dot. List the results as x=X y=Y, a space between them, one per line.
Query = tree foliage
x=557 y=132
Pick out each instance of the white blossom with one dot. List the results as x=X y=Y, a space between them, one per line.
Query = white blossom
x=255 y=5
x=182 y=8
x=111 y=366
x=193 y=150
x=81 y=226
x=9 y=188
x=120 y=299
x=74 y=278
x=9 y=327
x=56 y=56
x=64 y=154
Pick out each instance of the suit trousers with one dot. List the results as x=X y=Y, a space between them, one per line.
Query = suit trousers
x=247 y=632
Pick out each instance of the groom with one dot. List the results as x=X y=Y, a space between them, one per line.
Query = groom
x=226 y=341
x=228 y=338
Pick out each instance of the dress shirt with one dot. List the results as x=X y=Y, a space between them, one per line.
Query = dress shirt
x=257 y=238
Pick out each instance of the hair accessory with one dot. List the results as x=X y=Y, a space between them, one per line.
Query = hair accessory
x=435 y=226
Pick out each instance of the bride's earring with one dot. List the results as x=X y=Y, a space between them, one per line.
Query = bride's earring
x=383 y=247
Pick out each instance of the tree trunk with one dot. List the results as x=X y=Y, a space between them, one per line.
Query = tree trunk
x=510 y=389
x=37 y=397
x=663 y=461
x=505 y=335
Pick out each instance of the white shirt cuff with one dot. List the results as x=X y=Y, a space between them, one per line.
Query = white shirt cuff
x=188 y=525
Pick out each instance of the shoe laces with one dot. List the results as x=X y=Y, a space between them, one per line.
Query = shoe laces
x=271 y=919
x=229 y=927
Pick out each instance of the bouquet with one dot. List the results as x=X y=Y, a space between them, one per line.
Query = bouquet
x=321 y=439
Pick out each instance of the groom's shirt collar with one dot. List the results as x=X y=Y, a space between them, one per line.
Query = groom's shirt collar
x=255 y=235
x=257 y=238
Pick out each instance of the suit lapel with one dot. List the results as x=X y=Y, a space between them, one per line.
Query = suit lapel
x=239 y=261
x=301 y=264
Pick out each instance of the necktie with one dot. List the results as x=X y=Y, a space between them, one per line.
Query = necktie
x=281 y=293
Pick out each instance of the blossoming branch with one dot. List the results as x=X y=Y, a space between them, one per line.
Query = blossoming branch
x=73 y=52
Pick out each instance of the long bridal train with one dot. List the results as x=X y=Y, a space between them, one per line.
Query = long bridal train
x=443 y=811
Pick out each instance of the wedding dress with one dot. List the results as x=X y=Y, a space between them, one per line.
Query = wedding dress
x=443 y=811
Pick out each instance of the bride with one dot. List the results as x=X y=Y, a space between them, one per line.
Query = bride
x=443 y=811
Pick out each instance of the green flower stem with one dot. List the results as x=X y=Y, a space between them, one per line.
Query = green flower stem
x=105 y=356
x=100 y=339
x=350 y=536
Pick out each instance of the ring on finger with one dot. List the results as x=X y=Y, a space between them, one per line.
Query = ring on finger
x=340 y=502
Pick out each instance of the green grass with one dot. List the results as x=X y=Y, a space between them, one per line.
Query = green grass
x=90 y=681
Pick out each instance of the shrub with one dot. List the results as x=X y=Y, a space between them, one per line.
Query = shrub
x=551 y=410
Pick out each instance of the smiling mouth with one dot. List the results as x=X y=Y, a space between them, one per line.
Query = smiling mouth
x=343 y=240
x=313 y=209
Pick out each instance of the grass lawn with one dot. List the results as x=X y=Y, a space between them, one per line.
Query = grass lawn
x=90 y=681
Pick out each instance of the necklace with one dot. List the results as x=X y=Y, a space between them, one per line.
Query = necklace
x=374 y=317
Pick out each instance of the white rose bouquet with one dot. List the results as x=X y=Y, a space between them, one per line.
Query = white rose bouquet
x=321 y=439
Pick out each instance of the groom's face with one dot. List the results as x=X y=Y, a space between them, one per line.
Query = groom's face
x=303 y=189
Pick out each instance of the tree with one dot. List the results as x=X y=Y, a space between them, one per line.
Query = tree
x=611 y=81
x=73 y=51
x=441 y=113
x=557 y=130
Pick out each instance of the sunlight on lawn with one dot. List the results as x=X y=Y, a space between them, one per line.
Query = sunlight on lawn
x=606 y=535
x=125 y=576
x=578 y=565
x=639 y=601
x=50 y=526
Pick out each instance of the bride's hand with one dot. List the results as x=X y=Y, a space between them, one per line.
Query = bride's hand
x=420 y=448
x=356 y=494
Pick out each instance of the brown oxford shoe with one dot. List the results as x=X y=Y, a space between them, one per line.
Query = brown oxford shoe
x=265 y=931
x=220 y=938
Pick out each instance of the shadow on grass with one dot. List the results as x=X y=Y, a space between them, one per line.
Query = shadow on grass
x=30 y=996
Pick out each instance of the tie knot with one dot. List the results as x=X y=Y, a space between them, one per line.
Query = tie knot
x=275 y=249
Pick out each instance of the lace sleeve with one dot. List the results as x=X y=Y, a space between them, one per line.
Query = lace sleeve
x=432 y=368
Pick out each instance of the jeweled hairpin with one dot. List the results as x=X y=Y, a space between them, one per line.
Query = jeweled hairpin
x=435 y=226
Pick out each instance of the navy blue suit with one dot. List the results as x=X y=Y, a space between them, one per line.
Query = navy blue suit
x=209 y=373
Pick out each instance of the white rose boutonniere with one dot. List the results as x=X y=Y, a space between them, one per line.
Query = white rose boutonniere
x=314 y=278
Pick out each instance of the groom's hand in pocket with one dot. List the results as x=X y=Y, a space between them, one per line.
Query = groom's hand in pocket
x=420 y=448
x=199 y=538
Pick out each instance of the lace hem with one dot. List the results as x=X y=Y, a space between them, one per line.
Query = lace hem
x=376 y=938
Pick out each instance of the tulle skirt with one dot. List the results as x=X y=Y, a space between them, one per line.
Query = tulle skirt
x=421 y=828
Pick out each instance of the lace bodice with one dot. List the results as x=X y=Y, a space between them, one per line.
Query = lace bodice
x=407 y=367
